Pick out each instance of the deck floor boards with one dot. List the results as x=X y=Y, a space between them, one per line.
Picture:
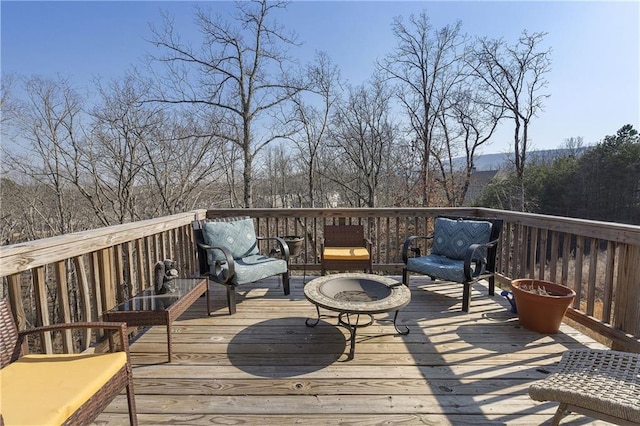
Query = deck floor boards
x=263 y=366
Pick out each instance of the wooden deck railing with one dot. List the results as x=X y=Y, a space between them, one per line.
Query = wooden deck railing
x=76 y=277
x=85 y=273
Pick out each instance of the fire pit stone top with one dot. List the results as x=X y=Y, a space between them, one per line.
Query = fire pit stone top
x=357 y=293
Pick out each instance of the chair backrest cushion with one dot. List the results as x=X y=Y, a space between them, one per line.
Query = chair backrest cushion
x=452 y=237
x=239 y=236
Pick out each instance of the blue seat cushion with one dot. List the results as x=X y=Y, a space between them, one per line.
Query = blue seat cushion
x=439 y=267
x=254 y=268
x=452 y=238
x=239 y=236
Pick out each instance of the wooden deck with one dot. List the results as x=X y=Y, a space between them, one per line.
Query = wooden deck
x=263 y=366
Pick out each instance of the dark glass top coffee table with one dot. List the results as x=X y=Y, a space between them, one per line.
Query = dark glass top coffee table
x=149 y=308
x=356 y=294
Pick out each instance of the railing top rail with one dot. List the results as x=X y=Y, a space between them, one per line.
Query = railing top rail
x=31 y=254
x=618 y=232
x=341 y=212
x=24 y=256
x=610 y=231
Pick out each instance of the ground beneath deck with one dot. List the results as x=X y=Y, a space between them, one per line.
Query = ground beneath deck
x=263 y=366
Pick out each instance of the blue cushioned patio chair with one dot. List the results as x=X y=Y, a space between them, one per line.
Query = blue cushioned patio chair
x=228 y=254
x=463 y=250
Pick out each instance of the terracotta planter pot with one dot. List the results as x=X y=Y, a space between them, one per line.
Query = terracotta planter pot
x=541 y=313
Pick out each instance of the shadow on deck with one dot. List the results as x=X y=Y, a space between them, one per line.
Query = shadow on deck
x=264 y=366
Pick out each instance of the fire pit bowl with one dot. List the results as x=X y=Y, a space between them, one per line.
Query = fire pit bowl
x=350 y=289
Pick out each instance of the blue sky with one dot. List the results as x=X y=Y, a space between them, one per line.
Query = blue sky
x=594 y=82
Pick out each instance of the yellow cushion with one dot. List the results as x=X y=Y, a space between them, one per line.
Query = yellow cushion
x=47 y=389
x=346 y=253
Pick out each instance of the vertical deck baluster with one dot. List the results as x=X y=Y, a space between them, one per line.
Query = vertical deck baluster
x=63 y=303
x=591 y=283
x=85 y=298
x=533 y=252
x=577 y=276
x=140 y=270
x=542 y=254
x=119 y=274
x=553 y=262
x=42 y=306
x=607 y=298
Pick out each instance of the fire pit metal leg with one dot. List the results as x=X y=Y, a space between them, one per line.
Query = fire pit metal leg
x=307 y=321
x=352 y=331
x=352 y=327
x=406 y=329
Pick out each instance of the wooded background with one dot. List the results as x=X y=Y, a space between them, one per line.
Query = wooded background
x=237 y=121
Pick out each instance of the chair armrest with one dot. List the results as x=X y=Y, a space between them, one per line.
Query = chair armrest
x=120 y=327
x=368 y=244
x=468 y=258
x=409 y=241
x=284 y=247
x=231 y=265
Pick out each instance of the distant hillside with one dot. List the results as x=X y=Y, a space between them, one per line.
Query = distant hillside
x=498 y=161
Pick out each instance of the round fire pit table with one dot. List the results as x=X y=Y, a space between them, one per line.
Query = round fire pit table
x=356 y=294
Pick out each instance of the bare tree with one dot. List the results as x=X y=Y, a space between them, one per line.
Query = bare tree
x=8 y=106
x=147 y=160
x=184 y=162
x=362 y=137
x=238 y=75
x=312 y=116
x=516 y=74
x=48 y=125
x=278 y=178
x=427 y=66
x=113 y=160
x=467 y=123
x=574 y=146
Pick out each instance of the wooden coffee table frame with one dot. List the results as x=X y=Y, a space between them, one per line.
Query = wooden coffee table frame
x=130 y=313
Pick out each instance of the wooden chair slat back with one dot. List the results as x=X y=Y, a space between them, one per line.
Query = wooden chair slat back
x=343 y=235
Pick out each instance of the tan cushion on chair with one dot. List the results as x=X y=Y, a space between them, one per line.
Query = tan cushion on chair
x=47 y=389
x=346 y=253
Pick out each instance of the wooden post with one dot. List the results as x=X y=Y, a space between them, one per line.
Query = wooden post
x=566 y=257
x=591 y=283
x=96 y=301
x=608 y=282
x=577 y=277
x=85 y=298
x=106 y=279
x=542 y=253
x=627 y=310
x=140 y=255
x=63 y=304
x=518 y=248
x=553 y=263
x=42 y=307
x=149 y=242
x=119 y=274
x=533 y=251
x=505 y=262
x=129 y=273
